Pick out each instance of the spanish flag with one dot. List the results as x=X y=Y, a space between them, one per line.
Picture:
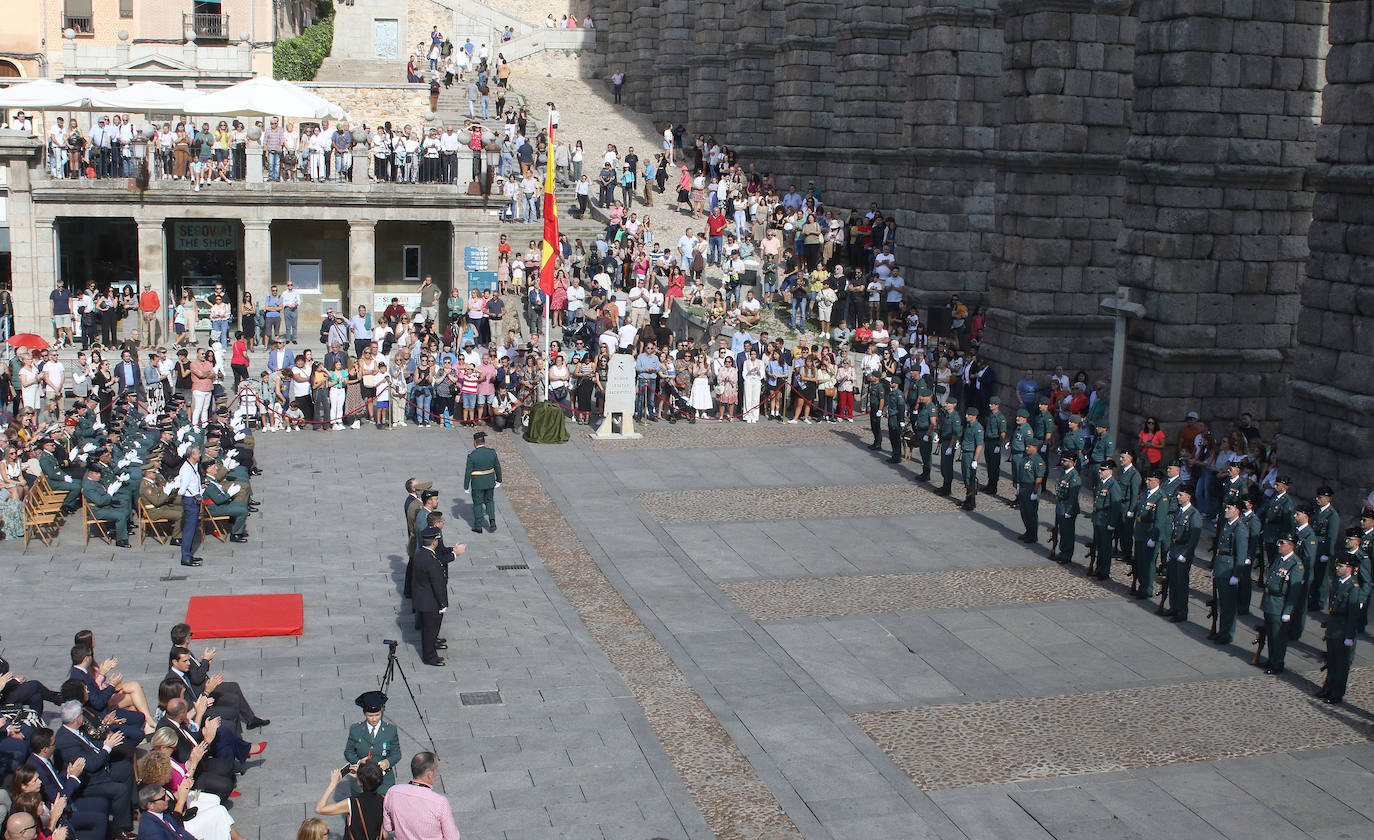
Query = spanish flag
x=550 y=251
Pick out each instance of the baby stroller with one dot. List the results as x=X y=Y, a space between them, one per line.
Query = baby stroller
x=579 y=327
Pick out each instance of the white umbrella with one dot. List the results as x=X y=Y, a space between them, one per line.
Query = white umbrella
x=44 y=93
x=143 y=97
x=264 y=97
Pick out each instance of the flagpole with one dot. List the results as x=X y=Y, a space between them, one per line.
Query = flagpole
x=546 y=347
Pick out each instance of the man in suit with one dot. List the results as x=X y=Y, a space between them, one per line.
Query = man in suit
x=21 y=825
x=158 y=822
x=197 y=673
x=414 y=487
x=127 y=722
x=482 y=475
x=373 y=740
x=112 y=781
x=429 y=594
x=90 y=815
x=128 y=376
x=279 y=358
x=16 y=690
x=108 y=697
x=227 y=752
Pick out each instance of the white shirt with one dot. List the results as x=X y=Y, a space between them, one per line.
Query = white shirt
x=55 y=374
x=290 y=298
x=577 y=298
x=627 y=336
x=750 y=306
x=188 y=481
x=300 y=388
x=882 y=264
x=894 y=286
x=553 y=116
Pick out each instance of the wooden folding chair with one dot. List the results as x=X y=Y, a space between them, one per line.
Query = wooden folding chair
x=39 y=522
x=211 y=525
x=43 y=498
x=100 y=524
x=148 y=525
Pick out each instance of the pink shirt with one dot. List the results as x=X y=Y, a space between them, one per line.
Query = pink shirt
x=414 y=812
x=487 y=385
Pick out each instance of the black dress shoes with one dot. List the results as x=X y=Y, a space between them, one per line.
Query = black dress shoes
x=122 y=544
x=194 y=561
x=491 y=525
x=258 y=723
x=435 y=662
x=238 y=538
x=176 y=541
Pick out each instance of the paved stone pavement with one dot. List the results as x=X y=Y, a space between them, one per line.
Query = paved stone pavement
x=809 y=709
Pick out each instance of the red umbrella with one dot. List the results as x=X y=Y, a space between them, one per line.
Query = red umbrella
x=32 y=341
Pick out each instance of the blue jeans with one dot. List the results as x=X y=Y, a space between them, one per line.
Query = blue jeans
x=715 y=247
x=731 y=296
x=274 y=165
x=220 y=330
x=645 y=402
x=424 y=398
x=798 y=314
x=290 y=316
x=531 y=207
x=190 y=527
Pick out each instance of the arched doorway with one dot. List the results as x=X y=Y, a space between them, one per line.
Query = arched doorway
x=9 y=70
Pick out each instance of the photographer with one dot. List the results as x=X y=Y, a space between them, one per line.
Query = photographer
x=363 y=808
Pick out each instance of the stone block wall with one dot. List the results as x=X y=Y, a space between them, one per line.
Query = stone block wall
x=750 y=60
x=954 y=63
x=675 y=40
x=706 y=95
x=1065 y=120
x=1328 y=430
x=1217 y=215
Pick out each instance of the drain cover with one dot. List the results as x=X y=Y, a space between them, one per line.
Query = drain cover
x=511 y=567
x=480 y=698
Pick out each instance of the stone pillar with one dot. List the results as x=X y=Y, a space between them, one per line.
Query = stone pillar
x=458 y=277
x=706 y=94
x=152 y=270
x=1215 y=226
x=804 y=81
x=642 y=54
x=362 y=262
x=750 y=62
x=257 y=258
x=1330 y=415
x=32 y=243
x=617 y=39
x=675 y=20
x=1064 y=124
x=948 y=216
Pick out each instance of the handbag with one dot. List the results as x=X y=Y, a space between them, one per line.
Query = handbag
x=369 y=380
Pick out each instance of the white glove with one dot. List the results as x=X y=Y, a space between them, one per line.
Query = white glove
x=466 y=491
x=230 y=462
x=1111 y=527
x=239 y=436
x=498 y=484
x=1247 y=561
x=181 y=450
x=169 y=487
x=1234 y=580
x=1035 y=497
x=925 y=439
x=1285 y=617
x=1349 y=642
x=66 y=478
x=1130 y=514
x=974 y=465
x=114 y=487
x=234 y=489
x=949 y=451
x=1149 y=543
x=1182 y=559
x=90 y=447
x=99 y=424
x=1068 y=516
x=996 y=449
x=1324 y=558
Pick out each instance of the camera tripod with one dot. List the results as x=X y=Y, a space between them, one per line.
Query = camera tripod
x=393 y=667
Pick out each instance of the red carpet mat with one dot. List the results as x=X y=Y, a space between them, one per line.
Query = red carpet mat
x=240 y=616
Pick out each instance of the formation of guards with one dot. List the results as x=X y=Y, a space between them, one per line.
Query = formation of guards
x=126 y=458
x=1292 y=552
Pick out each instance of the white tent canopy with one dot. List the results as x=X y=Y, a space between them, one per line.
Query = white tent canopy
x=45 y=94
x=143 y=98
x=266 y=98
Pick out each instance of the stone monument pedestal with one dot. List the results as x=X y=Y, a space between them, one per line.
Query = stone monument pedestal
x=620 y=399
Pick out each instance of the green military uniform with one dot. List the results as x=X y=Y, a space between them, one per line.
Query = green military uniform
x=160 y=505
x=128 y=488
x=222 y=503
x=1282 y=597
x=1306 y=549
x=1365 y=571
x=1326 y=522
x=970 y=449
x=1103 y=449
x=1171 y=485
x=1227 y=568
x=1028 y=486
x=895 y=409
x=1106 y=518
x=1066 y=509
x=1072 y=444
x=875 y=394
x=481 y=475
x=1343 y=611
x=1245 y=589
x=1020 y=432
x=1132 y=485
x=60 y=481
x=994 y=438
x=1276 y=519
x=1151 y=531
x=926 y=417
x=107 y=507
x=365 y=745
x=1043 y=426
x=1233 y=491
x=1184 y=533
x=951 y=428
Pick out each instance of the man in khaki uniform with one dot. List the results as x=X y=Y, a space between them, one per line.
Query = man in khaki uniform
x=160 y=504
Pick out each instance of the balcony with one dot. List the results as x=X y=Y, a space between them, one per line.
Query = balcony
x=205 y=27
x=80 y=25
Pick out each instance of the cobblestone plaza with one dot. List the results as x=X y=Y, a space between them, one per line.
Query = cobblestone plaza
x=728 y=639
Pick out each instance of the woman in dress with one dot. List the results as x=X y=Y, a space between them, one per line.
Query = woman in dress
x=181 y=154
x=584 y=375
x=727 y=383
x=248 y=320
x=804 y=378
x=752 y=375
x=844 y=383
x=558 y=301
x=700 y=400
x=559 y=377
x=12 y=491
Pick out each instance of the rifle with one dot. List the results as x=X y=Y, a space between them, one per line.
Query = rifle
x=1212 y=607
x=1054 y=538
x=1260 y=638
x=1163 y=588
